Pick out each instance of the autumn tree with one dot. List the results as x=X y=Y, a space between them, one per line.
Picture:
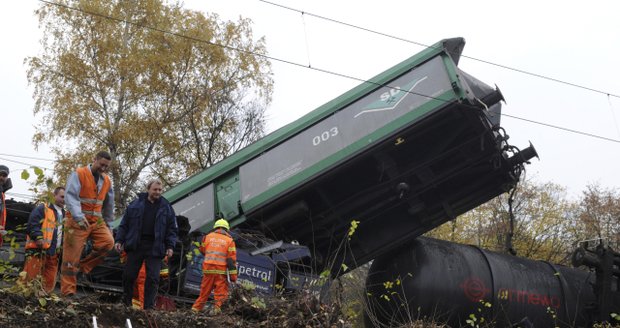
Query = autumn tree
x=599 y=215
x=166 y=90
x=543 y=223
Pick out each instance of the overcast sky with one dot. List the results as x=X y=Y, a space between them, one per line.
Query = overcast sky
x=566 y=40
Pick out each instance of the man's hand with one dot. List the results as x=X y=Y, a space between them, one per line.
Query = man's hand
x=83 y=224
x=169 y=252
x=118 y=247
x=39 y=243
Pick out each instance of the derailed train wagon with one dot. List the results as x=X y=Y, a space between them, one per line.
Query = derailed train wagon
x=413 y=147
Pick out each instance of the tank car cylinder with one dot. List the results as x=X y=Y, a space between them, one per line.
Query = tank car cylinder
x=453 y=283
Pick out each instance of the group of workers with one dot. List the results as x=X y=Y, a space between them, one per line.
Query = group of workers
x=146 y=237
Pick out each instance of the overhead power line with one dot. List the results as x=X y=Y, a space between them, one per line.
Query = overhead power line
x=120 y=20
x=24 y=163
x=28 y=157
x=562 y=128
x=20 y=195
x=315 y=68
x=430 y=46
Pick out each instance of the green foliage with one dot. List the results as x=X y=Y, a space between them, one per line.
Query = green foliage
x=352 y=228
x=258 y=302
x=7 y=270
x=42 y=186
x=247 y=285
x=324 y=276
x=478 y=319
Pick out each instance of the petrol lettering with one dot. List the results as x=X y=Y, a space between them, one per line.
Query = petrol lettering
x=254 y=273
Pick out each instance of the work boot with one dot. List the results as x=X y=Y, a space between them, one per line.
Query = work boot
x=70 y=298
x=215 y=311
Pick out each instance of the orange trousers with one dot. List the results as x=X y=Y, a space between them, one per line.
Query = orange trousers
x=73 y=244
x=137 y=302
x=46 y=266
x=212 y=282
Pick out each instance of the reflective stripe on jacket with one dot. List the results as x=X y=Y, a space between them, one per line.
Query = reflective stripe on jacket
x=218 y=246
x=91 y=201
x=41 y=227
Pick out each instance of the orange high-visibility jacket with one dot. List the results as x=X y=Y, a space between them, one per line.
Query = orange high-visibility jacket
x=217 y=246
x=48 y=225
x=91 y=201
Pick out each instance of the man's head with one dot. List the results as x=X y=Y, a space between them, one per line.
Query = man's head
x=102 y=162
x=4 y=174
x=59 y=196
x=154 y=189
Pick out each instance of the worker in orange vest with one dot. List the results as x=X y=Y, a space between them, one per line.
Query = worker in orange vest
x=5 y=184
x=90 y=208
x=219 y=266
x=43 y=241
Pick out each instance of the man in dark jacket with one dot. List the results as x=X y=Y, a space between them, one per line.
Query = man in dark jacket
x=147 y=232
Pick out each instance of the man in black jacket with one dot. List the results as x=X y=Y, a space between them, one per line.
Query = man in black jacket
x=147 y=232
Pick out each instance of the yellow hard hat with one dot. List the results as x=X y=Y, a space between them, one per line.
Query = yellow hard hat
x=221 y=223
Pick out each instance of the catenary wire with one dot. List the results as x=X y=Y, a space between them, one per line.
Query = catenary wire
x=20 y=195
x=315 y=68
x=28 y=157
x=23 y=163
x=233 y=48
x=562 y=128
x=430 y=46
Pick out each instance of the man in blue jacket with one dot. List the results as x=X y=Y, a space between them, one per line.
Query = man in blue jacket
x=147 y=232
